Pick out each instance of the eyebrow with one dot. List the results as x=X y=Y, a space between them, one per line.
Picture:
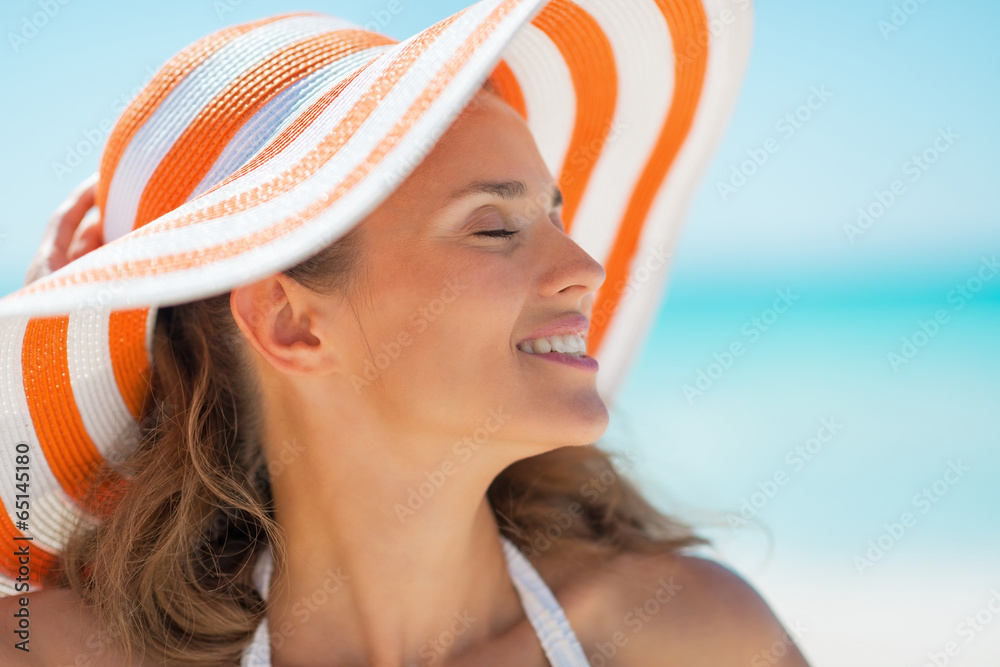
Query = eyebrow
x=508 y=190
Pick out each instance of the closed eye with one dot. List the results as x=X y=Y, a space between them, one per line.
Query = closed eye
x=497 y=233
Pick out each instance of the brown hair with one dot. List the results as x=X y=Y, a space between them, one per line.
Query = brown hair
x=169 y=569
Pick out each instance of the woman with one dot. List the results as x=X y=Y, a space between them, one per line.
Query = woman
x=386 y=428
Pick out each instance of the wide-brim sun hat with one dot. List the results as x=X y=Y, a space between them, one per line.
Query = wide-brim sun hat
x=260 y=144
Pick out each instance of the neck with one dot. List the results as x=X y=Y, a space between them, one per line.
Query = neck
x=393 y=556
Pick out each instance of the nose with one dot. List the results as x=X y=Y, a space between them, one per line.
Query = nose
x=569 y=268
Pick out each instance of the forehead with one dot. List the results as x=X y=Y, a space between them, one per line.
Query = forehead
x=488 y=131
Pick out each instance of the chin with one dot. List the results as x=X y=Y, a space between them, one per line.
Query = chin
x=584 y=424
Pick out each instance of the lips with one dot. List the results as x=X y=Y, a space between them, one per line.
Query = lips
x=573 y=324
x=584 y=363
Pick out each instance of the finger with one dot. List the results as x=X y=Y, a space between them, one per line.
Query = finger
x=67 y=217
x=61 y=230
x=88 y=236
x=86 y=191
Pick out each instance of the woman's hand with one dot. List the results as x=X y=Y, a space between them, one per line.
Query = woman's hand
x=74 y=230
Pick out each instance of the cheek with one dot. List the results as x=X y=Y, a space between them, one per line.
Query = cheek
x=478 y=327
x=467 y=322
x=446 y=311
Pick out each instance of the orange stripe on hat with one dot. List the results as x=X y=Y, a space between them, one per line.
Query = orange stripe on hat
x=289 y=179
x=567 y=25
x=61 y=434
x=41 y=561
x=143 y=106
x=506 y=85
x=194 y=153
x=686 y=20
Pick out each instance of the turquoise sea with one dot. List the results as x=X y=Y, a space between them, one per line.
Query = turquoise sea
x=809 y=453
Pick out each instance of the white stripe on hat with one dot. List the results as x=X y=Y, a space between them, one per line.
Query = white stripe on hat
x=150 y=329
x=534 y=54
x=727 y=56
x=105 y=416
x=52 y=510
x=7 y=586
x=278 y=114
x=647 y=92
x=157 y=136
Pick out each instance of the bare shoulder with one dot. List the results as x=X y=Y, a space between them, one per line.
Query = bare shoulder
x=679 y=609
x=55 y=628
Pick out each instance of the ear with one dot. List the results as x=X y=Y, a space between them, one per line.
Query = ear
x=286 y=324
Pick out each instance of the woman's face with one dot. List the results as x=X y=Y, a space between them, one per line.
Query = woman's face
x=443 y=306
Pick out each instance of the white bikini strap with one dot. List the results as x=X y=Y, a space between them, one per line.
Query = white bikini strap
x=560 y=644
x=258 y=652
x=541 y=607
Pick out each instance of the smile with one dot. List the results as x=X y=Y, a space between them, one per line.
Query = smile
x=570 y=344
x=573 y=353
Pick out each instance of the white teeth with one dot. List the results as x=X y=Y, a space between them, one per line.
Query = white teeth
x=569 y=344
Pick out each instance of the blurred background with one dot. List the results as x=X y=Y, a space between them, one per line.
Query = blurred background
x=846 y=461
